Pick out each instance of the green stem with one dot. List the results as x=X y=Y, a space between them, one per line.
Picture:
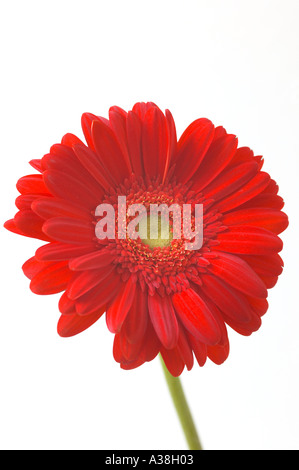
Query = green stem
x=182 y=408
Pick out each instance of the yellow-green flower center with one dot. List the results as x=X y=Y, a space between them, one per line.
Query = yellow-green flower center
x=155 y=231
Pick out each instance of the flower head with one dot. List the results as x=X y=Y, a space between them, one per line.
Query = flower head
x=158 y=296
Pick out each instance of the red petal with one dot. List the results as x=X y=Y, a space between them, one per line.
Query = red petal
x=217 y=315
x=136 y=321
x=247 y=239
x=66 y=305
x=86 y=122
x=32 y=184
x=63 y=159
x=109 y=152
x=98 y=297
x=185 y=349
x=61 y=251
x=242 y=155
x=126 y=352
x=192 y=148
x=93 y=165
x=259 y=306
x=227 y=299
x=172 y=142
x=150 y=347
x=141 y=108
x=31 y=225
x=230 y=180
x=70 y=325
x=269 y=281
x=245 y=329
x=245 y=193
x=164 y=320
x=11 y=226
x=218 y=354
x=199 y=349
x=270 y=219
x=271 y=188
x=134 y=142
x=95 y=260
x=270 y=201
x=154 y=142
x=120 y=306
x=67 y=230
x=86 y=281
x=118 y=118
x=48 y=207
x=133 y=355
x=32 y=266
x=219 y=132
x=238 y=274
x=65 y=186
x=173 y=361
x=51 y=279
x=151 y=344
x=271 y=264
x=216 y=159
x=36 y=164
x=70 y=140
x=268 y=271
x=196 y=317
x=24 y=202
x=77 y=190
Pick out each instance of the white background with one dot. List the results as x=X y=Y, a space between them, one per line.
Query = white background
x=233 y=61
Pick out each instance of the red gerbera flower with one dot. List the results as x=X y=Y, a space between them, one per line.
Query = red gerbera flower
x=162 y=297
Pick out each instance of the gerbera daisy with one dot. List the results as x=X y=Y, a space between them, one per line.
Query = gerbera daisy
x=158 y=296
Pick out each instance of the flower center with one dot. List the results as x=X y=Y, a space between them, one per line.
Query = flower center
x=155 y=231
x=157 y=257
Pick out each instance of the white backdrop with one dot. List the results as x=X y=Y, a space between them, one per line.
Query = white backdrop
x=232 y=61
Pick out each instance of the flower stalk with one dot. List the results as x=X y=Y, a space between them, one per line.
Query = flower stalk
x=182 y=408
